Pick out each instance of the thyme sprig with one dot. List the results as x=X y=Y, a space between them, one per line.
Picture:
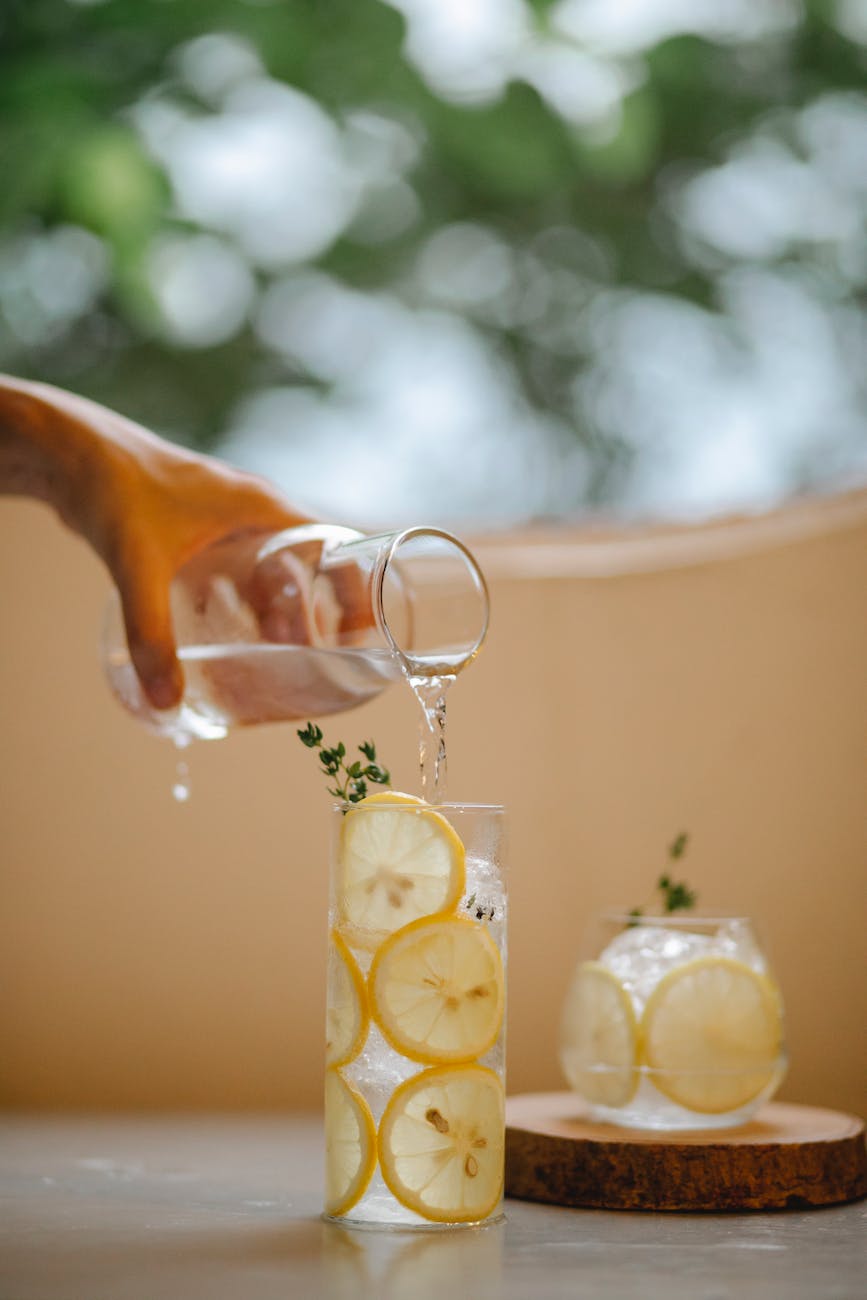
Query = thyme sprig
x=482 y=910
x=352 y=788
x=670 y=895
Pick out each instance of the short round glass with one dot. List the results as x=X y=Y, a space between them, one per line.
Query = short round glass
x=673 y=1022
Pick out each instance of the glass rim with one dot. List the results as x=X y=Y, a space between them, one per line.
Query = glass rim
x=399 y=539
x=627 y=918
x=447 y=806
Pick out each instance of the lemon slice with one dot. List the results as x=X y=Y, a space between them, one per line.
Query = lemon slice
x=347 y=1017
x=393 y=796
x=441 y=1143
x=599 y=1037
x=350 y=1145
x=397 y=860
x=713 y=1034
x=437 y=990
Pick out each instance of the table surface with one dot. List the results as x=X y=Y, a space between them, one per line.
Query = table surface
x=96 y=1208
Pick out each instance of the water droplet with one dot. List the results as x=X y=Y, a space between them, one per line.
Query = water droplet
x=181 y=787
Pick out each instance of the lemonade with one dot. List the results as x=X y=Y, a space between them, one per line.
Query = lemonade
x=674 y=1023
x=415 y=1064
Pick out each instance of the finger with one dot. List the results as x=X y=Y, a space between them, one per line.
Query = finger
x=352 y=591
x=150 y=636
x=280 y=596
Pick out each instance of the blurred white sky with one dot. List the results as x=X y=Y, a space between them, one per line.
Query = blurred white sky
x=725 y=410
x=402 y=406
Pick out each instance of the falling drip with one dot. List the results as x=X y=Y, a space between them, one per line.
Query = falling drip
x=431 y=695
x=181 y=786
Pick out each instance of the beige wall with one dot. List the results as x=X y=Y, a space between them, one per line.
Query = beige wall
x=157 y=955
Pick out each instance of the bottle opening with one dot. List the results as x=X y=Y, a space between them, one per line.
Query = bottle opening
x=431 y=601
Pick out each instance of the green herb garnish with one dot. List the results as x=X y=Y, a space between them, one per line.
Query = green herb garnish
x=670 y=895
x=482 y=910
x=356 y=775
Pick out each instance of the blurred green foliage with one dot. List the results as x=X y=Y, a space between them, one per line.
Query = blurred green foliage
x=70 y=155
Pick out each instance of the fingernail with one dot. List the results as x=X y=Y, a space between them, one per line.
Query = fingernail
x=162 y=692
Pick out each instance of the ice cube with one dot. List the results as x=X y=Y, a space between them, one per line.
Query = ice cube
x=735 y=938
x=642 y=954
x=378 y=1070
x=486 y=889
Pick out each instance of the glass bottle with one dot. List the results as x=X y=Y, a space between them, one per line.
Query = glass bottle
x=307 y=622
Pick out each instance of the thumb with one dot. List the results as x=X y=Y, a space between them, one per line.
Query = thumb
x=149 y=634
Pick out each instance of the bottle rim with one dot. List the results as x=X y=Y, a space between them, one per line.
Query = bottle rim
x=390 y=558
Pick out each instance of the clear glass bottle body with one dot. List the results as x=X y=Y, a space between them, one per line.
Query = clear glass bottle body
x=672 y=1022
x=312 y=621
x=415 y=1020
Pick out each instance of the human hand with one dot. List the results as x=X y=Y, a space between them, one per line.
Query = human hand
x=144 y=505
x=168 y=508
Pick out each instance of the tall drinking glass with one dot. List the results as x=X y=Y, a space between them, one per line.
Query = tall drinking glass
x=415 y=1023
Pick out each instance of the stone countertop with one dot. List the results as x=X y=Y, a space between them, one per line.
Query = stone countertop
x=178 y=1208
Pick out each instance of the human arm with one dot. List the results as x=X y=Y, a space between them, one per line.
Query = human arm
x=144 y=505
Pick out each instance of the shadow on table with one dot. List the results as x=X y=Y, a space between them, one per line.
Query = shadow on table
x=254 y=1261
x=428 y=1265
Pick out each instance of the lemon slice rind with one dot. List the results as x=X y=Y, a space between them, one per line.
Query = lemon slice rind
x=395 y=865
x=712 y=1034
x=348 y=1013
x=441 y=1143
x=599 y=1037
x=437 y=990
x=349 y=1125
x=391 y=796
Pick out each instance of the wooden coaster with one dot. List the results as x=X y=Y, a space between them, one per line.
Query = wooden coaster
x=788 y=1157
